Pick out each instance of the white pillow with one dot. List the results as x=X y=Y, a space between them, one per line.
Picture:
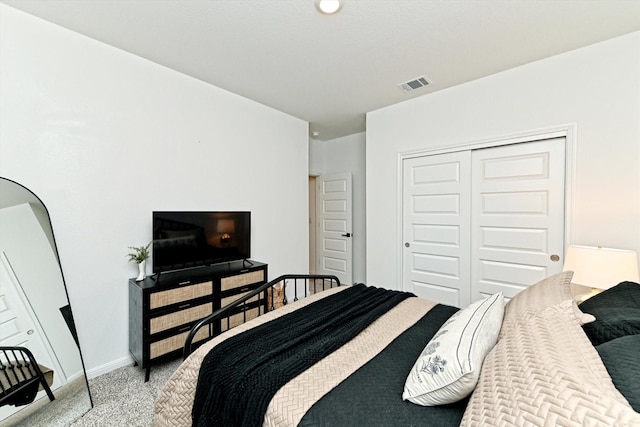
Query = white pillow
x=546 y=293
x=448 y=368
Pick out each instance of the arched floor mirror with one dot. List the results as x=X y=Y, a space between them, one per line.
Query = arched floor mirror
x=35 y=312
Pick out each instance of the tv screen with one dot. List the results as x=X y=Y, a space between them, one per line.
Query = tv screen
x=193 y=239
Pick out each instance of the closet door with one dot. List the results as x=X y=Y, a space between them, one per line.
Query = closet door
x=436 y=221
x=517 y=220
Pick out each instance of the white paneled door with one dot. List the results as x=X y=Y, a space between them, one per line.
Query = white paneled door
x=517 y=221
x=19 y=328
x=483 y=221
x=436 y=205
x=334 y=219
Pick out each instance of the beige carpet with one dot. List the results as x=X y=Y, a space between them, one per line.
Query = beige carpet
x=120 y=398
x=70 y=404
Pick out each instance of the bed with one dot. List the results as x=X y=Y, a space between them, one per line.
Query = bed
x=328 y=359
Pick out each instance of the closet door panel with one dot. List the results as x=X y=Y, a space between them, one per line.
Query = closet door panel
x=436 y=217
x=517 y=220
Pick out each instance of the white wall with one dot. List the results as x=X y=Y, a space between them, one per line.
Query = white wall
x=597 y=88
x=104 y=138
x=347 y=154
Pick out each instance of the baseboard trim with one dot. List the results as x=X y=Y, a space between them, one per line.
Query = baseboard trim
x=108 y=367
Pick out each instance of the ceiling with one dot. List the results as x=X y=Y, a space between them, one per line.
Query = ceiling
x=330 y=70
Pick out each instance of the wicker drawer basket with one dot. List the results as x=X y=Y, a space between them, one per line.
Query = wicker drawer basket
x=175 y=342
x=172 y=320
x=239 y=280
x=184 y=293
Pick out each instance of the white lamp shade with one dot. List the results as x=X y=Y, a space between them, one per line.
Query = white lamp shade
x=226 y=226
x=599 y=267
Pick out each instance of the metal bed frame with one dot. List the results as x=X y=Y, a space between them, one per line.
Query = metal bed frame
x=320 y=282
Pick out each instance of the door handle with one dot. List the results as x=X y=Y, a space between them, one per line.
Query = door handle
x=346 y=235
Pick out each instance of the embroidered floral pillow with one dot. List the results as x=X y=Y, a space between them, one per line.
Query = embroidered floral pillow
x=448 y=368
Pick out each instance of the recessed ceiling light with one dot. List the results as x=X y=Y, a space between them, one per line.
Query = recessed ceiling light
x=315 y=133
x=329 y=6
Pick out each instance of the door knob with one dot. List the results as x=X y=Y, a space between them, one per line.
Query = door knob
x=346 y=235
x=554 y=258
x=406 y=244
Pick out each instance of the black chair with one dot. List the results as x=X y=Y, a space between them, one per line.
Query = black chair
x=21 y=377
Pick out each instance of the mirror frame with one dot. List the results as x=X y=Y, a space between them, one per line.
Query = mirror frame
x=54 y=248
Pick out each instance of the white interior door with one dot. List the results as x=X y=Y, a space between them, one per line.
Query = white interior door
x=436 y=220
x=517 y=215
x=334 y=222
x=312 y=225
x=19 y=327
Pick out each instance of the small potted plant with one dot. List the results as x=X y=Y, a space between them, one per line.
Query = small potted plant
x=139 y=255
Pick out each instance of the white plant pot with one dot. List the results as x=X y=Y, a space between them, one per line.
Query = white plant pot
x=141 y=271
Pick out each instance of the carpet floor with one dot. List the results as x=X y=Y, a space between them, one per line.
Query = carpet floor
x=120 y=398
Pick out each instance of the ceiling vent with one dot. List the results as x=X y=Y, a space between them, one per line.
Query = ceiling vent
x=414 y=84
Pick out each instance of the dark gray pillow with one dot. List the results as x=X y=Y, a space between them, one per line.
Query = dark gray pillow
x=621 y=358
x=617 y=313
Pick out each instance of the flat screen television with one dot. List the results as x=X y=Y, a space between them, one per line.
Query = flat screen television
x=187 y=239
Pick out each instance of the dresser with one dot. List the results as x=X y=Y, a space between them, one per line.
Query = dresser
x=162 y=309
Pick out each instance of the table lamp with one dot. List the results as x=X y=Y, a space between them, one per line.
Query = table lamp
x=225 y=227
x=600 y=268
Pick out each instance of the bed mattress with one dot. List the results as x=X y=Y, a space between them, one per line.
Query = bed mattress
x=357 y=373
